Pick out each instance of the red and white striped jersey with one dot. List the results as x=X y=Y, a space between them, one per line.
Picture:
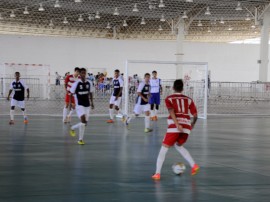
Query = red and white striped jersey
x=70 y=79
x=183 y=106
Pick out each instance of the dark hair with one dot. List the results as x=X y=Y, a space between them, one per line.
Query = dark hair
x=178 y=85
x=76 y=69
x=146 y=74
x=117 y=70
x=17 y=72
x=82 y=70
x=154 y=71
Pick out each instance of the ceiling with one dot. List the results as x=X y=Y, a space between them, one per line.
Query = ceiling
x=81 y=18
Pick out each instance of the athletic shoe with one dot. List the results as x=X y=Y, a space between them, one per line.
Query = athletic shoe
x=195 y=169
x=124 y=118
x=81 y=142
x=152 y=118
x=156 y=176
x=25 y=121
x=72 y=133
x=64 y=120
x=11 y=122
x=148 y=130
x=110 y=121
x=155 y=118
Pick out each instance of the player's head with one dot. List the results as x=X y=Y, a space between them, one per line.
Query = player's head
x=178 y=85
x=76 y=71
x=116 y=73
x=147 y=77
x=154 y=73
x=17 y=75
x=82 y=73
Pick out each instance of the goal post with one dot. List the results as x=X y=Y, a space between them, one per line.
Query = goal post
x=194 y=75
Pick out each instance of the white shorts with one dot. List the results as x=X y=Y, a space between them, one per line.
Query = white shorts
x=16 y=103
x=81 y=110
x=138 y=109
x=117 y=102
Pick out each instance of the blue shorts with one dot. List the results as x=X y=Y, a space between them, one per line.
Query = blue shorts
x=155 y=98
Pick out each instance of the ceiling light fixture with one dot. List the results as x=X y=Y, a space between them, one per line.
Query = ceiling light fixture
x=185 y=15
x=80 y=19
x=26 y=12
x=253 y=26
x=65 y=20
x=161 y=4
x=125 y=23
x=143 y=21
x=108 y=26
x=57 y=4
x=222 y=21
x=207 y=12
x=41 y=8
x=162 y=19
x=160 y=28
x=189 y=1
x=209 y=30
x=12 y=14
x=51 y=23
x=200 y=23
x=247 y=17
x=239 y=7
x=1 y=17
x=91 y=17
x=116 y=12
x=230 y=28
x=97 y=15
x=78 y=1
x=135 y=8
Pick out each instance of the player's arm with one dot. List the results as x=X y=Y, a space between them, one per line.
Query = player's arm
x=160 y=86
x=9 y=93
x=66 y=83
x=172 y=114
x=121 y=89
x=139 y=92
x=28 y=93
x=72 y=91
x=195 y=118
x=193 y=111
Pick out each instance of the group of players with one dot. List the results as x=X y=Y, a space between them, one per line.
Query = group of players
x=79 y=98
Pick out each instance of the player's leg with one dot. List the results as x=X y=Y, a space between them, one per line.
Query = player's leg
x=21 y=104
x=112 y=99
x=82 y=128
x=65 y=110
x=147 y=121
x=157 y=102
x=117 y=104
x=151 y=102
x=185 y=153
x=12 y=111
x=169 y=140
x=71 y=109
x=137 y=111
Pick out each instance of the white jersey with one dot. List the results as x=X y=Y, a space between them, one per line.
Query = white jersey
x=155 y=85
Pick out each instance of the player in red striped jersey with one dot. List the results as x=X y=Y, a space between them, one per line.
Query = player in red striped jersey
x=69 y=99
x=179 y=127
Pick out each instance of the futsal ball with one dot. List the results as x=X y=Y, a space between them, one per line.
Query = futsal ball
x=178 y=168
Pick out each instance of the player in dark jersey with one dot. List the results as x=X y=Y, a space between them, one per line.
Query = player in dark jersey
x=142 y=103
x=83 y=94
x=19 y=87
x=115 y=99
x=179 y=127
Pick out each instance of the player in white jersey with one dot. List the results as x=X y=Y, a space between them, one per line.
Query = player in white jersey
x=156 y=91
x=19 y=87
x=115 y=99
x=83 y=94
x=142 y=103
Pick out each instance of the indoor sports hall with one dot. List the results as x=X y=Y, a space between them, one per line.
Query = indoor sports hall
x=134 y=100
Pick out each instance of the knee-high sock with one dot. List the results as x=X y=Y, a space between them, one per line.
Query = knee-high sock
x=130 y=117
x=12 y=114
x=161 y=157
x=119 y=111
x=147 y=121
x=65 y=111
x=111 y=113
x=184 y=152
x=81 y=131
x=75 y=126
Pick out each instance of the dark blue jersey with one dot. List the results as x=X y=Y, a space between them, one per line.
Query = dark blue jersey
x=19 y=88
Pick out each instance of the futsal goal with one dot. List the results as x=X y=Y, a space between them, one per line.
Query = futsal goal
x=194 y=75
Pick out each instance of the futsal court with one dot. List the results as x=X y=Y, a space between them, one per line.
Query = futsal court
x=42 y=162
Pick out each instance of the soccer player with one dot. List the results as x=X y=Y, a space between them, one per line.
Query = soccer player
x=69 y=99
x=83 y=94
x=156 y=91
x=115 y=99
x=142 y=103
x=19 y=87
x=179 y=126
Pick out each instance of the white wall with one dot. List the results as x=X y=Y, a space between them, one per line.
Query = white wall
x=227 y=62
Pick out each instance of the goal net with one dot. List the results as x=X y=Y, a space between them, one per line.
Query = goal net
x=194 y=75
